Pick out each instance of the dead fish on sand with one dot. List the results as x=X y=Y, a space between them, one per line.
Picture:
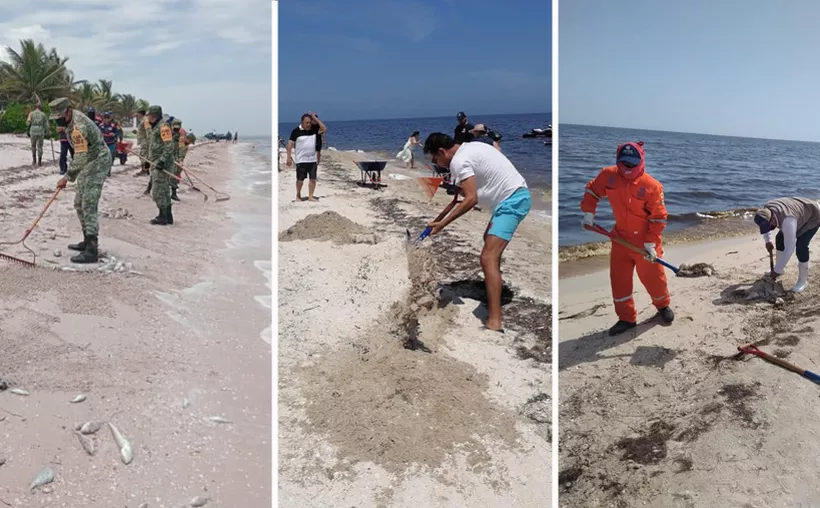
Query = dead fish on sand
x=219 y=419
x=185 y=403
x=44 y=477
x=198 y=501
x=87 y=444
x=89 y=428
x=79 y=398
x=19 y=391
x=126 y=452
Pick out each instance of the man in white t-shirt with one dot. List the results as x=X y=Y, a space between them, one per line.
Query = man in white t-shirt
x=306 y=142
x=484 y=176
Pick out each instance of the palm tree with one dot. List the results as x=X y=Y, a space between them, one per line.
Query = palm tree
x=33 y=73
x=143 y=104
x=83 y=95
x=104 y=97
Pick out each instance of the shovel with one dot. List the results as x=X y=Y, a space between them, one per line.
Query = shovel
x=424 y=234
x=601 y=231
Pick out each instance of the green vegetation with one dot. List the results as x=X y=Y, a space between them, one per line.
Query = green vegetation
x=35 y=73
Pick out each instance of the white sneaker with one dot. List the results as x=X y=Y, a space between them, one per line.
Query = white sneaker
x=802 y=277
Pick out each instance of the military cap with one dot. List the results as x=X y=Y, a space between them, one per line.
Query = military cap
x=177 y=121
x=155 y=110
x=58 y=107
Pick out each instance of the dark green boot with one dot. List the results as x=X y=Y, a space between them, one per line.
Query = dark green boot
x=90 y=253
x=169 y=217
x=79 y=247
x=174 y=194
x=160 y=220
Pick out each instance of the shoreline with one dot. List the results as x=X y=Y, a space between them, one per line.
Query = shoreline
x=156 y=348
x=368 y=404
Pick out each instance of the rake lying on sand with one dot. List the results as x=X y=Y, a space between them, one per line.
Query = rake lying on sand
x=178 y=179
x=751 y=349
x=22 y=241
x=220 y=196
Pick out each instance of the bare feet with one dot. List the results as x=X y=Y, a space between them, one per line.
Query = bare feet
x=298 y=198
x=493 y=325
x=311 y=198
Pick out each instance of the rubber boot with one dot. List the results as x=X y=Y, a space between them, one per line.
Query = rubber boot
x=666 y=314
x=620 y=327
x=79 y=247
x=90 y=253
x=33 y=159
x=174 y=194
x=40 y=160
x=148 y=190
x=169 y=216
x=802 y=277
x=160 y=220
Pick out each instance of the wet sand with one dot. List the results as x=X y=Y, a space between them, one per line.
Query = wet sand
x=158 y=349
x=390 y=394
x=664 y=416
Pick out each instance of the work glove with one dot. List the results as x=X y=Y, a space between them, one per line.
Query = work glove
x=651 y=254
x=589 y=220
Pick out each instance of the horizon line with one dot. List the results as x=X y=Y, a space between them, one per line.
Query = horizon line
x=686 y=132
x=427 y=117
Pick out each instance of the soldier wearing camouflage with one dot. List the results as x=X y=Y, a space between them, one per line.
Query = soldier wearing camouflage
x=88 y=169
x=162 y=159
x=142 y=141
x=37 y=126
x=179 y=146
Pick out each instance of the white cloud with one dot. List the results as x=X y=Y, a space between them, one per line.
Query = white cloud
x=150 y=49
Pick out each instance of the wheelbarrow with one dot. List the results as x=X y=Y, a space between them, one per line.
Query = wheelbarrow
x=123 y=147
x=371 y=173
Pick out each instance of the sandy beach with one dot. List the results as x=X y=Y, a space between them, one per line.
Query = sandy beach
x=390 y=394
x=664 y=416
x=157 y=338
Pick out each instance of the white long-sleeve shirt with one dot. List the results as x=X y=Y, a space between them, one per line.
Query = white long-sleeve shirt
x=789 y=230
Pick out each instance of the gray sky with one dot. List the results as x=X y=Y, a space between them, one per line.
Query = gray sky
x=207 y=62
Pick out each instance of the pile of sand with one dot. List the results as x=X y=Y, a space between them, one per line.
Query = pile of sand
x=327 y=226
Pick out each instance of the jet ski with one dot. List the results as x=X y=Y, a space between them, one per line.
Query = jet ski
x=540 y=133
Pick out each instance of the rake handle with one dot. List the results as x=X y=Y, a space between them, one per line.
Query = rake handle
x=600 y=230
x=45 y=209
x=753 y=350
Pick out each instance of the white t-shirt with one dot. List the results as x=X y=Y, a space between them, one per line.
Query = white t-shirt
x=495 y=176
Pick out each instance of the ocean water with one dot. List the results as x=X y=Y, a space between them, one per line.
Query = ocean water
x=707 y=179
x=387 y=137
x=253 y=181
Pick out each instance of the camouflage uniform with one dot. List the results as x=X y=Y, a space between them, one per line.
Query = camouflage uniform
x=162 y=157
x=88 y=168
x=38 y=125
x=142 y=141
x=179 y=154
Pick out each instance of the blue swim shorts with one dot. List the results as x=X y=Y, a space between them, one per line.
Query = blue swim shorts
x=509 y=214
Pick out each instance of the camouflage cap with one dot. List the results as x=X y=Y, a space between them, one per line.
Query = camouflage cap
x=58 y=107
x=177 y=121
x=155 y=110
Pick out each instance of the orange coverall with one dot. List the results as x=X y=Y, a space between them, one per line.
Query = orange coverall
x=640 y=217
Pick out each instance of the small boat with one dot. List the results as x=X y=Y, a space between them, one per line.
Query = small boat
x=540 y=133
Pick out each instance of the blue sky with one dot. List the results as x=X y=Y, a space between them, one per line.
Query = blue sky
x=402 y=59
x=696 y=66
x=207 y=62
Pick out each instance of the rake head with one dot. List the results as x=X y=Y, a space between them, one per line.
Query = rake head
x=12 y=259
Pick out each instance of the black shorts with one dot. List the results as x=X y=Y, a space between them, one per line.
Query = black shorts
x=305 y=169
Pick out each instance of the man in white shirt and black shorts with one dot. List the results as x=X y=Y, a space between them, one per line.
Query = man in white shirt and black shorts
x=484 y=176
x=305 y=141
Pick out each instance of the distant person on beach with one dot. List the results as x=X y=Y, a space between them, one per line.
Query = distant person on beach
x=37 y=123
x=65 y=149
x=640 y=218
x=483 y=175
x=109 y=132
x=142 y=141
x=304 y=140
x=89 y=168
x=481 y=134
x=406 y=153
x=462 y=131
x=798 y=220
x=179 y=148
x=235 y=136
